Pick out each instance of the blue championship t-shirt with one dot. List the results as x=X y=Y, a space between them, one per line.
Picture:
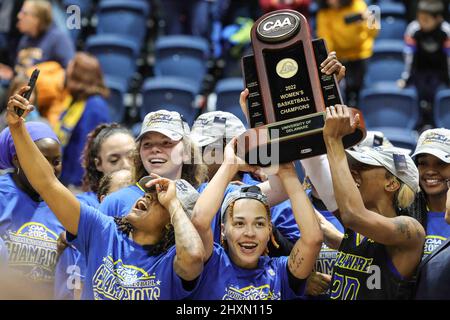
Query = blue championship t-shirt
x=29 y=230
x=90 y=198
x=117 y=268
x=69 y=274
x=223 y=280
x=437 y=232
x=71 y=265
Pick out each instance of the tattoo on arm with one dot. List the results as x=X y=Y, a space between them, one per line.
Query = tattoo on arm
x=402 y=227
x=295 y=261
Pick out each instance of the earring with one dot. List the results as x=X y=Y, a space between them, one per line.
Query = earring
x=18 y=170
x=358 y=185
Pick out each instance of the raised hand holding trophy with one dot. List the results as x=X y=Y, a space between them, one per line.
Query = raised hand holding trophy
x=288 y=93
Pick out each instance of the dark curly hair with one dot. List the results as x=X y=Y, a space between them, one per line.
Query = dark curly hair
x=95 y=139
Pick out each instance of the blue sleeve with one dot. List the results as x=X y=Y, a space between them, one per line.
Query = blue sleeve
x=283 y=219
x=281 y=265
x=112 y=205
x=178 y=290
x=92 y=224
x=98 y=111
x=89 y=198
x=63 y=48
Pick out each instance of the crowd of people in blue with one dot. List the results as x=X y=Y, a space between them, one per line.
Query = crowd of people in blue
x=91 y=210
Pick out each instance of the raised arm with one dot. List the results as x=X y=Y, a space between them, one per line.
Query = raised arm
x=400 y=231
x=211 y=198
x=273 y=188
x=332 y=237
x=37 y=169
x=304 y=254
x=188 y=263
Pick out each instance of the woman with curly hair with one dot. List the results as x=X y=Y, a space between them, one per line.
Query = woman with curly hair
x=135 y=265
x=109 y=147
x=163 y=147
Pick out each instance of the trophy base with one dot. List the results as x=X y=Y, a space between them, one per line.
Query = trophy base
x=292 y=139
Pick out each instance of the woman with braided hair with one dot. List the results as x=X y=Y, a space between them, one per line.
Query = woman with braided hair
x=241 y=269
x=119 y=266
x=109 y=147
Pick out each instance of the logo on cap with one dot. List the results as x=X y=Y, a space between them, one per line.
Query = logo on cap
x=278 y=27
x=434 y=137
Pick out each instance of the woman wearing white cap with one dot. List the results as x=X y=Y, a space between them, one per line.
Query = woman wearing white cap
x=164 y=148
x=381 y=249
x=432 y=208
x=211 y=131
x=240 y=269
x=432 y=156
x=153 y=254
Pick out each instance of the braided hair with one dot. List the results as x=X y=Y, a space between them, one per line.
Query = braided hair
x=91 y=151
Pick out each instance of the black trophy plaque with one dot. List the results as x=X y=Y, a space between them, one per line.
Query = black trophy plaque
x=287 y=92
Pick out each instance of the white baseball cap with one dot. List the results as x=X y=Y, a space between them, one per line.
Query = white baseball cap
x=395 y=160
x=212 y=126
x=168 y=123
x=375 y=139
x=435 y=142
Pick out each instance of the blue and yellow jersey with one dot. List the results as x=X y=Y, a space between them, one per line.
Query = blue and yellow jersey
x=364 y=271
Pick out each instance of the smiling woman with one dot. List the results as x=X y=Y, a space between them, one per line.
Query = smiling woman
x=119 y=266
x=433 y=208
x=432 y=156
x=27 y=225
x=240 y=268
x=163 y=147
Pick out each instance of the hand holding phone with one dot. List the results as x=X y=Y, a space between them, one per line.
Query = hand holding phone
x=27 y=94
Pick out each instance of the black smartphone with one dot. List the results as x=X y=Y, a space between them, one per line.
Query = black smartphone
x=27 y=94
x=351 y=18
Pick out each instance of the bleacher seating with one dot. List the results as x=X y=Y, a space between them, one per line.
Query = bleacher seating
x=389 y=106
x=228 y=92
x=171 y=93
x=442 y=109
x=181 y=56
